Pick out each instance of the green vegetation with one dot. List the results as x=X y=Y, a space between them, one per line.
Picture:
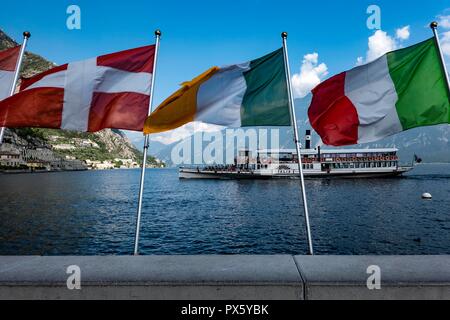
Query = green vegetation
x=24 y=133
x=118 y=164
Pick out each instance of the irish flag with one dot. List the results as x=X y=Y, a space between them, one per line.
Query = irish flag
x=401 y=90
x=8 y=61
x=253 y=93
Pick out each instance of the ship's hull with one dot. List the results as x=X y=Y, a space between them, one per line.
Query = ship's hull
x=312 y=174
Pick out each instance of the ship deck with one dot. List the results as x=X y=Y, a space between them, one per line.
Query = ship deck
x=192 y=173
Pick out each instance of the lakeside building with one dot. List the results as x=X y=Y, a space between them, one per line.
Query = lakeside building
x=41 y=159
x=11 y=158
x=127 y=163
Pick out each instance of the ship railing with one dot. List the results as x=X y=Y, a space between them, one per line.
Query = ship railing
x=360 y=159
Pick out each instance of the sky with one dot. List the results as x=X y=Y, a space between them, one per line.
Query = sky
x=325 y=37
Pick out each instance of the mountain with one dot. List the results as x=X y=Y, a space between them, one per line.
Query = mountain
x=59 y=146
x=432 y=144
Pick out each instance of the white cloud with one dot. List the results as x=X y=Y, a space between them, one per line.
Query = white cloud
x=402 y=33
x=381 y=43
x=359 y=61
x=184 y=132
x=445 y=43
x=311 y=74
x=444 y=21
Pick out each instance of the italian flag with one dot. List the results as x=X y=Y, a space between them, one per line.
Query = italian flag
x=253 y=93
x=8 y=61
x=401 y=90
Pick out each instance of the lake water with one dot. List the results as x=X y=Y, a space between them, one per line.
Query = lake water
x=88 y=213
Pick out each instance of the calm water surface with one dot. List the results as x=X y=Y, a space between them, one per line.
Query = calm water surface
x=88 y=213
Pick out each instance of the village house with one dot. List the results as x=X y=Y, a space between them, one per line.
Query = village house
x=10 y=158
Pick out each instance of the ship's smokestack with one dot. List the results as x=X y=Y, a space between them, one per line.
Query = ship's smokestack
x=308 y=140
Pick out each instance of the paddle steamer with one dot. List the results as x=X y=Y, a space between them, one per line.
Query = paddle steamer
x=316 y=162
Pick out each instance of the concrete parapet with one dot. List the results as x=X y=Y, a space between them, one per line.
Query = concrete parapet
x=234 y=277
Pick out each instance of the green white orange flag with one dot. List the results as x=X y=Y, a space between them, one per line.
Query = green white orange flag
x=253 y=93
x=401 y=90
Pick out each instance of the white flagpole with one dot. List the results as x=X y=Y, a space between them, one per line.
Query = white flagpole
x=146 y=146
x=297 y=142
x=26 y=36
x=433 y=27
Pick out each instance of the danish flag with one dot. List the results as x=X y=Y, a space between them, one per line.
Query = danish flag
x=8 y=63
x=109 y=91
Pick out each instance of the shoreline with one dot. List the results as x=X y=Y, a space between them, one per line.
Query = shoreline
x=20 y=172
x=13 y=172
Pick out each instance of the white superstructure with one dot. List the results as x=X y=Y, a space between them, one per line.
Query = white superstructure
x=317 y=162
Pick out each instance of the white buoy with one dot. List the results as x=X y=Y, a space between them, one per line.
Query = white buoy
x=427 y=196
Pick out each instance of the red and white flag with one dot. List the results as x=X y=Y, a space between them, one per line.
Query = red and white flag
x=110 y=91
x=8 y=63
